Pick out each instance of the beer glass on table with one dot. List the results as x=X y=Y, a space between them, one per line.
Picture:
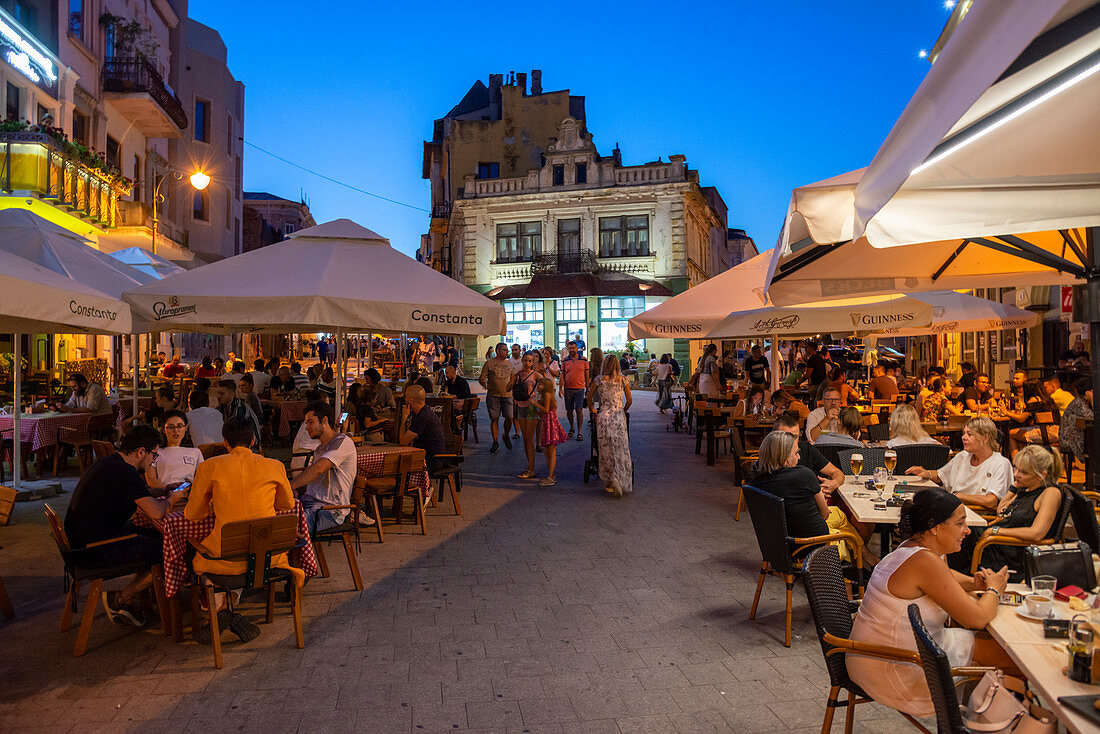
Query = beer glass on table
x=890 y=458
x=879 y=478
x=857 y=466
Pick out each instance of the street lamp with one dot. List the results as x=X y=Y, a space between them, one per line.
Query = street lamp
x=199 y=181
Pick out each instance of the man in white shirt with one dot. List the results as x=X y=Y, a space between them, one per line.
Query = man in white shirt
x=328 y=480
x=825 y=418
x=87 y=397
x=203 y=422
x=516 y=360
x=260 y=378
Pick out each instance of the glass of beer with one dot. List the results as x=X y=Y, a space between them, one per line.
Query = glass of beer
x=857 y=466
x=879 y=478
x=890 y=458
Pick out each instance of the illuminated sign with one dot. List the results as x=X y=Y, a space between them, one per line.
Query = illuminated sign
x=21 y=52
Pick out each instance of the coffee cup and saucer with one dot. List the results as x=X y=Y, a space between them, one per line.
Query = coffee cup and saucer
x=1038 y=607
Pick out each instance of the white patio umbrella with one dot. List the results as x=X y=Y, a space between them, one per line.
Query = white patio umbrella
x=147 y=262
x=333 y=277
x=35 y=299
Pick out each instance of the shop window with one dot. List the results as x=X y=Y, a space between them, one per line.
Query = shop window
x=571 y=309
x=621 y=308
x=523 y=311
x=626 y=236
x=518 y=241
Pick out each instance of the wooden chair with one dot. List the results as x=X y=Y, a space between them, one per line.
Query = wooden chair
x=99 y=427
x=782 y=553
x=210 y=450
x=1057 y=528
x=823 y=577
x=444 y=408
x=392 y=482
x=345 y=531
x=255 y=542
x=742 y=466
x=469 y=417
x=449 y=471
x=1044 y=421
x=102 y=449
x=78 y=570
x=5 y=603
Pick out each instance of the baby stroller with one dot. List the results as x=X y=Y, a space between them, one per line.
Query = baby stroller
x=592 y=463
x=677 y=423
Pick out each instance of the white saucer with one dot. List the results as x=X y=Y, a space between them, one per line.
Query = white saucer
x=1023 y=612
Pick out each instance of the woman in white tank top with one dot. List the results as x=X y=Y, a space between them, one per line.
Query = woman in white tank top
x=916 y=573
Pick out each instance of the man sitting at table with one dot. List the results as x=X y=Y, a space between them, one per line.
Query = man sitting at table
x=978 y=397
x=164 y=400
x=240 y=485
x=301 y=382
x=825 y=418
x=421 y=428
x=383 y=396
x=103 y=502
x=204 y=423
x=329 y=477
x=260 y=377
x=848 y=434
x=881 y=386
x=173 y=369
x=454 y=384
x=87 y=397
x=232 y=406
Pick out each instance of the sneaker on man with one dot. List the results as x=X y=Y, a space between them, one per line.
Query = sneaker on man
x=365 y=520
x=494 y=448
x=120 y=612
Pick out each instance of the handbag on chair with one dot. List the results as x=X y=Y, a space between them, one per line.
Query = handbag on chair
x=1070 y=563
x=992 y=707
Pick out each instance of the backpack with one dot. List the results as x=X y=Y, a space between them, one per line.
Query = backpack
x=521 y=391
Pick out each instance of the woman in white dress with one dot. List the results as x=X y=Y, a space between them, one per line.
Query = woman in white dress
x=916 y=573
x=612 y=391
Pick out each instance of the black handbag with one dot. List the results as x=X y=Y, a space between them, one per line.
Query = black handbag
x=1070 y=563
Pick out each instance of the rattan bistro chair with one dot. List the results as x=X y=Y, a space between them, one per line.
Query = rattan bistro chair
x=782 y=554
x=873 y=458
x=822 y=575
x=928 y=455
x=1057 y=528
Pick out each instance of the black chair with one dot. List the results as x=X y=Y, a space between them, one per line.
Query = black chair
x=830 y=452
x=1057 y=528
x=878 y=432
x=448 y=469
x=822 y=574
x=873 y=458
x=928 y=455
x=941 y=677
x=782 y=554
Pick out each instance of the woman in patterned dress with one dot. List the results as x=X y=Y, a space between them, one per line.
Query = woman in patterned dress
x=613 y=393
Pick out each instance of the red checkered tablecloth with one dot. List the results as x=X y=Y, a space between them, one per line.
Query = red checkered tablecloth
x=289 y=410
x=178 y=530
x=370 y=460
x=40 y=429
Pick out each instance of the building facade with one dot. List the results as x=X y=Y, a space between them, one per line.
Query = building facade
x=96 y=129
x=272 y=218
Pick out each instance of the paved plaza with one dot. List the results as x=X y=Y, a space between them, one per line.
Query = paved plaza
x=541 y=610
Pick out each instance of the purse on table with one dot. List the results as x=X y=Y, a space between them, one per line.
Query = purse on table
x=1070 y=563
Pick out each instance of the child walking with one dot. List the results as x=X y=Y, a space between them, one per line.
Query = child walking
x=551 y=433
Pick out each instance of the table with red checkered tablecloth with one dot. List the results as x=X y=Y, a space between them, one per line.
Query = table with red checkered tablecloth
x=40 y=429
x=370 y=460
x=289 y=410
x=177 y=530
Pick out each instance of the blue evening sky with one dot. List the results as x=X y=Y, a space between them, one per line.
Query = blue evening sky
x=760 y=96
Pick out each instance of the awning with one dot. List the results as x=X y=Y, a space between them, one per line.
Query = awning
x=580 y=285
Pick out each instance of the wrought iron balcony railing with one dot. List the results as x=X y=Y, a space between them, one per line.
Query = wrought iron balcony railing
x=583 y=261
x=138 y=75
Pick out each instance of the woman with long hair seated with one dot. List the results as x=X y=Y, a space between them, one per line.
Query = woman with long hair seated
x=851 y=426
x=979 y=474
x=905 y=428
x=934 y=523
x=808 y=514
x=1028 y=510
x=753 y=404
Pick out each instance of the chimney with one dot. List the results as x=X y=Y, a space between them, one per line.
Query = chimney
x=521 y=81
x=495 y=82
x=536 y=81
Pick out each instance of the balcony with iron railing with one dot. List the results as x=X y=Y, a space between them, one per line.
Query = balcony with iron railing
x=135 y=87
x=441 y=210
x=41 y=165
x=567 y=263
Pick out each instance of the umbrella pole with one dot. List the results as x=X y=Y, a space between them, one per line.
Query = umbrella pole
x=340 y=378
x=1093 y=287
x=775 y=367
x=17 y=408
x=134 y=371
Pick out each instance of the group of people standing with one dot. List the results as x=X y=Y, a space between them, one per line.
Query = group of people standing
x=523 y=388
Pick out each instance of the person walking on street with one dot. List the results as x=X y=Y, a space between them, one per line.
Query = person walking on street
x=573 y=384
x=663 y=374
x=613 y=393
x=524 y=388
x=708 y=372
x=550 y=428
x=497 y=378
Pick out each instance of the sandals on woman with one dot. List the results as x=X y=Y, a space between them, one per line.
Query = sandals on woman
x=527 y=475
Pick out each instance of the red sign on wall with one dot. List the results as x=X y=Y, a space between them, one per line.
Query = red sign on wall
x=1067 y=299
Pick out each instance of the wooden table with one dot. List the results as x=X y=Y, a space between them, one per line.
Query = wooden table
x=861 y=502
x=369 y=460
x=1041 y=660
x=40 y=431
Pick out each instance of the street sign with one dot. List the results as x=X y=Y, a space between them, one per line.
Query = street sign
x=1067 y=299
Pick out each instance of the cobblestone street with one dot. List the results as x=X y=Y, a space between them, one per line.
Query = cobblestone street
x=541 y=610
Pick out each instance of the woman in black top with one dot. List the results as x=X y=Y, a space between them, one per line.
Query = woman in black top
x=1027 y=511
